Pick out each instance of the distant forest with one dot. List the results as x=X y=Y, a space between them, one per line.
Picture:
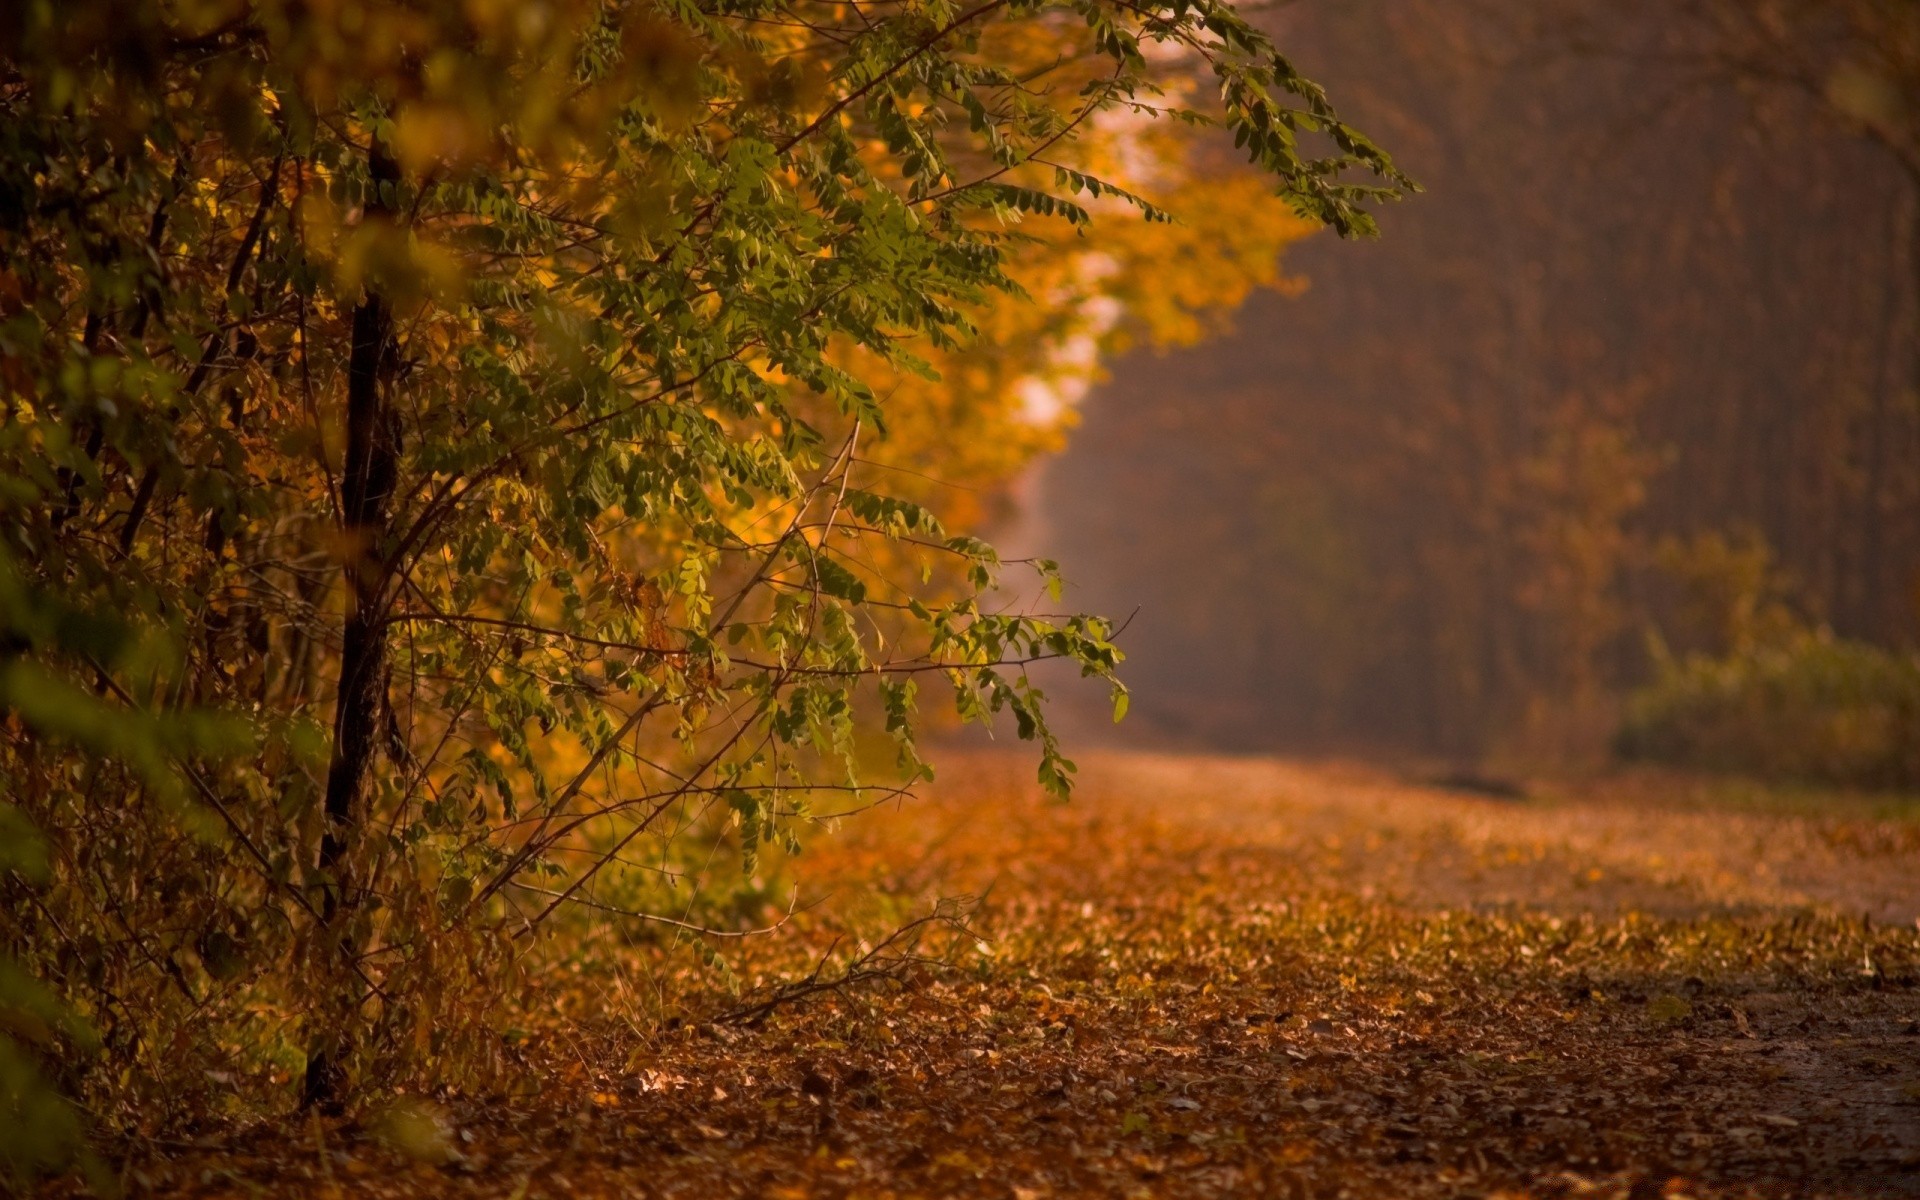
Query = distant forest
x=1635 y=379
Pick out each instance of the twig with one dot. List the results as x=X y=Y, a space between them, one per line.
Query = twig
x=889 y=961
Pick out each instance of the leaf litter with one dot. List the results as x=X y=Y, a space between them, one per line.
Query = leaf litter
x=1218 y=978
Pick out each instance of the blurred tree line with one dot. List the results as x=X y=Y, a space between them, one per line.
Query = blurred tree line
x=1637 y=381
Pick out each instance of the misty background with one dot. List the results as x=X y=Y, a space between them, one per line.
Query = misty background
x=1634 y=379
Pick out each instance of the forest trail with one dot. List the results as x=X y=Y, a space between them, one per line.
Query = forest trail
x=1219 y=977
x=1658 y=844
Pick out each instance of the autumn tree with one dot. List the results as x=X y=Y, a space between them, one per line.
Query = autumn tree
x=1849 y=70
x=439 y=467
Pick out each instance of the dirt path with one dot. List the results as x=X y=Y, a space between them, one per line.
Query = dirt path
x=1599 y=848
x=1842 y=1068
x=1230 y=978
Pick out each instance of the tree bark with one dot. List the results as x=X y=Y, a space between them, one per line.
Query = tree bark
x=366 y=492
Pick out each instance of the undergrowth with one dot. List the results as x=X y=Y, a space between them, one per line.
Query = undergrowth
x=1812 y=708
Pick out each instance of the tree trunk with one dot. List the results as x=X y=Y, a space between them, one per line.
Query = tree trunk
x=366 y=489
x=1873 y=525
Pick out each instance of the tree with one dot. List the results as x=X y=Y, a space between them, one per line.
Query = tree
x=1854 y=66
x=1444 y=504
x=463 y=413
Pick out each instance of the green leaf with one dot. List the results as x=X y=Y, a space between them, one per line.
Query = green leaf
x=836 y=580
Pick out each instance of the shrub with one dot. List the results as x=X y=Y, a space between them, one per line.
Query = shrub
x=1812 y=707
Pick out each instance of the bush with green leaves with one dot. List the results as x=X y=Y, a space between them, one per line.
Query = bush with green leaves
x=45 y=1039
x=1810 y=707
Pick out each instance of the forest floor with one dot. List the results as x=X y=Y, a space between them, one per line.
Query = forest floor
x=1243 y=977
